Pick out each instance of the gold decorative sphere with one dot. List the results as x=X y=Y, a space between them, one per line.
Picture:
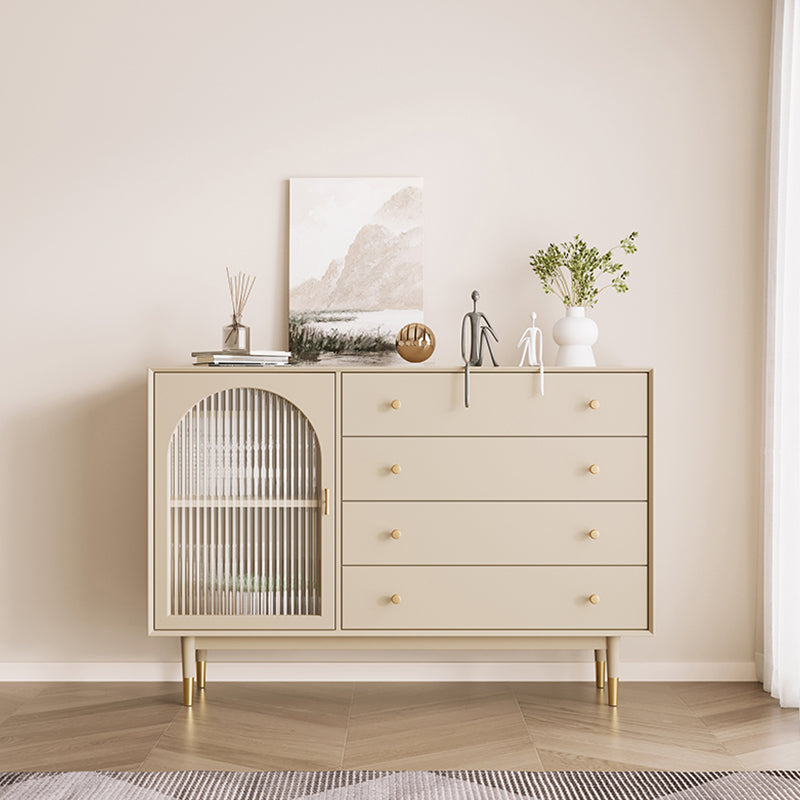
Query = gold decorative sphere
x=415 y=342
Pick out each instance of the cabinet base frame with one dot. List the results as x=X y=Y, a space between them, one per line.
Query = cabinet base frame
x=194 y=651
x=375 y=641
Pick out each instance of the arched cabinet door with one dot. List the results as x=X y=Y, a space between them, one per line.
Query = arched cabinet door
x=242 y=514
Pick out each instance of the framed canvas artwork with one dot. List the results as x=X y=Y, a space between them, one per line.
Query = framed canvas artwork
x=355 y=266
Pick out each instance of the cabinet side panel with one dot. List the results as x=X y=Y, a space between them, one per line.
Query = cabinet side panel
x=150 y=500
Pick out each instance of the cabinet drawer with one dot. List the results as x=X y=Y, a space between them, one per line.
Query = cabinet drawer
x=494 y=533
x=487 y=598
x=501 y=404
x=503 y=468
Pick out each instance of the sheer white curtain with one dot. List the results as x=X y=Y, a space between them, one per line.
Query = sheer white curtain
x=782 y=399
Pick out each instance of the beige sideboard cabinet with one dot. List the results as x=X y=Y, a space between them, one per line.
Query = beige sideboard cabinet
x=367 y=508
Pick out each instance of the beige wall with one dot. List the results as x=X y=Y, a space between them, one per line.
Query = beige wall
x=147 y=145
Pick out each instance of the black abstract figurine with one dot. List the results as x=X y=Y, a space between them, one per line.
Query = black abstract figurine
x=478 y=329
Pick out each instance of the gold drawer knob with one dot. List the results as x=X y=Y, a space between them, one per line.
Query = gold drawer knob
x=396 y=404
x=594 y=533
x=594 y=404
x=594 y=599
x=396 y=533
x=396 y=469
x=396 y=599
x=594 y=469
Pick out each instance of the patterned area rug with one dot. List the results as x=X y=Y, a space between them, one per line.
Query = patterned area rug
x=363 y=785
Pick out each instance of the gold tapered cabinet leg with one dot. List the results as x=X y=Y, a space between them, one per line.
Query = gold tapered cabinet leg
x=188 y=691
x=201 y=674
x=613 y=691
x=600 y=674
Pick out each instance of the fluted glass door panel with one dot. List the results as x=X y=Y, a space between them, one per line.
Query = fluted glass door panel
x=244 y=510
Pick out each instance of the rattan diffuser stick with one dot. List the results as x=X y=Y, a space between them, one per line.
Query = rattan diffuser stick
x=240 y=287
x=236 y=336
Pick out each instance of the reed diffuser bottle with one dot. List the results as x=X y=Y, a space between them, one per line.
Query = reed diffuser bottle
x=236 y=335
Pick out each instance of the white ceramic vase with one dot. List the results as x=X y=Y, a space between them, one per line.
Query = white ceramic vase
x=575 y=334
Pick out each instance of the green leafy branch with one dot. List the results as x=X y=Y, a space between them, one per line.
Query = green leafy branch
x=572 y=270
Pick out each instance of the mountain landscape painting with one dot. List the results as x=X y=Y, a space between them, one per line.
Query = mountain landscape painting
x=355 y=266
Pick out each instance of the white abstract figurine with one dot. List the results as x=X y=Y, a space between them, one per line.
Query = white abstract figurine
x=533 y=349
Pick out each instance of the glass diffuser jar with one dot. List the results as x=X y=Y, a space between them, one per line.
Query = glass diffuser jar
x=236 y=337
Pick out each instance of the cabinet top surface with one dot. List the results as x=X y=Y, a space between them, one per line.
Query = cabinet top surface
x=416 y=369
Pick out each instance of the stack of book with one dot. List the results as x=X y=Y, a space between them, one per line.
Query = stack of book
x=252 y=358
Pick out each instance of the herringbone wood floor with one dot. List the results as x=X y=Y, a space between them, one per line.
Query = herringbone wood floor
x=314 y=726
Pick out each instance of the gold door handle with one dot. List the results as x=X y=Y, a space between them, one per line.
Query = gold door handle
x=396 y=469
x=396 y=533
x=396 y=404
x=594 y=599
x=396 y=599
x=594 y=404
x=327 y=503
x=594 y=533
x=594 y=469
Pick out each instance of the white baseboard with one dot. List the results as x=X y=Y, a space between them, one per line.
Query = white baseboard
x=371 y=671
